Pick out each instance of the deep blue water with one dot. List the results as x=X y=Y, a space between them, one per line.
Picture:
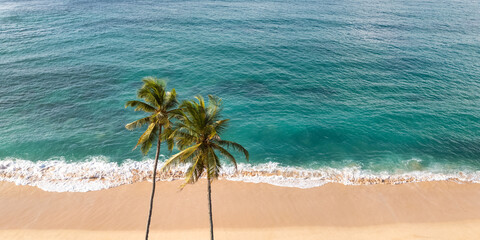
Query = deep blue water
x=372 y=83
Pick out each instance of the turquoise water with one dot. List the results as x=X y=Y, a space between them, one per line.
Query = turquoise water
x=371 y=84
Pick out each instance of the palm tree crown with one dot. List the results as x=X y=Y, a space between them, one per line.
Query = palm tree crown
x=160 y=104
x=197 y=135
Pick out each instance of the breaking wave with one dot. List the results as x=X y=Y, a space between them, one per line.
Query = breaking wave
x=96 y=173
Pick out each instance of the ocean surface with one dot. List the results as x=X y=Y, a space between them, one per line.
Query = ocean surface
x=357 y=92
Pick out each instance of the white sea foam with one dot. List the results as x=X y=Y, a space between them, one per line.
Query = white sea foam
x=98 y=173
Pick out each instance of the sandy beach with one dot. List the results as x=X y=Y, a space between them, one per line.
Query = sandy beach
x=429 y=210
x=318 y=120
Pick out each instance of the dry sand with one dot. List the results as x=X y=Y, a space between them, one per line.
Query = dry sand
x=433 y=210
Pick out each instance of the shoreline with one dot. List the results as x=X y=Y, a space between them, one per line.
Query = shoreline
x=245 y=210
x=61 y=176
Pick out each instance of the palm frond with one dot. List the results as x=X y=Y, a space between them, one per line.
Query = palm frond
x=167 y=136
x=214 y=101
x=138 y=123
x=148 y=96
x=171 y=99
x=154 y=81
x=226 y=154
x=221 y=125
x=235 y=146
x=191 y=177
x=140 y=106
x=180 y=157
x=145 y=135
x=147 y=144
x=214 y=107
x=176 y=113
x=201 y=101
x=156 y=88
x=184 y=143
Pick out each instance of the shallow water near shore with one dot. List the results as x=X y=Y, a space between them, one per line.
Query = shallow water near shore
x=369 y=88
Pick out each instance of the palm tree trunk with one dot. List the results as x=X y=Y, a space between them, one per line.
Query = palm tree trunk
x=210 y=205
x=154 y=180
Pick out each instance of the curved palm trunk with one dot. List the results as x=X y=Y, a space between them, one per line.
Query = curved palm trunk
x=154 y=181
x=210 y=205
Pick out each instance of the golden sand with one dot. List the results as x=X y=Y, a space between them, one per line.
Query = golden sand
x=429 y=210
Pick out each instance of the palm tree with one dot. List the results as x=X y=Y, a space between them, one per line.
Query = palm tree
x=197 y=135
x=161 y=107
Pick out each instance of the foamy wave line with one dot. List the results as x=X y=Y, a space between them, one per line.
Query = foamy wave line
x=98 y=173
